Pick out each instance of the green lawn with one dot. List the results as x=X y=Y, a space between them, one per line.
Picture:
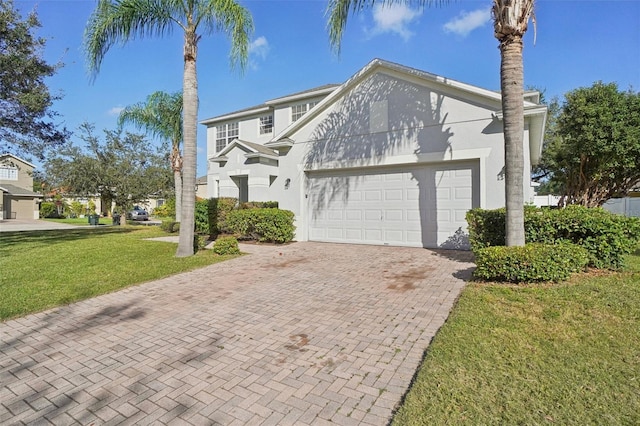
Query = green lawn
x=564 y=354
x=42 y=269
x=80 y=221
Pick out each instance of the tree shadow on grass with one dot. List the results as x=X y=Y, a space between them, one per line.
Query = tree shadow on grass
x=9 y=239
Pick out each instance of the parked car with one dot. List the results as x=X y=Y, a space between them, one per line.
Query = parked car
x=138 y=214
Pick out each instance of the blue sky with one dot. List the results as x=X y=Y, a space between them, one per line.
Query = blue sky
x=577 y=43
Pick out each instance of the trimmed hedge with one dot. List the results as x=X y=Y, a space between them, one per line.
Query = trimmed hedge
x=259 y=205
x=606 y=236
x=170 y=226
x=201 y=217
x=532 y=263
x=264 y=225
x=226 y=245
x=48 y=210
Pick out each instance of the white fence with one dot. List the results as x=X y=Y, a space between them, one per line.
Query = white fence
x=545 y=200
x=627 y=206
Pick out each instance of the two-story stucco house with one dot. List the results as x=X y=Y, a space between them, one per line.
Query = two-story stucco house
x=17 y=198
x=393 y=156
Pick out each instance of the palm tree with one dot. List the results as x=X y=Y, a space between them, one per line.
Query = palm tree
x=510 y=19
x=161 y=116
x=119 y=21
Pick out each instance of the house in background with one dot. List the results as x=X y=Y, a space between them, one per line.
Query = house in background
x=17 y=199
x=202 y=190
x=393 y=156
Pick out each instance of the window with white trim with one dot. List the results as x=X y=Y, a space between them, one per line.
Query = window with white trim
x=266 y=124
x=299 y=110
x=225 y=134
x=8 y=173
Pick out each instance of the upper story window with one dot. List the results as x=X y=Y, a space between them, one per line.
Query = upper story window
x=8 y=173
x=266 y=124
x=225 y=133
x=299 y=110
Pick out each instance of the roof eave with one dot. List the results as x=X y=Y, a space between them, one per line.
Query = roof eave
x=300 y=96
x=260 y=155
x=537 y=116
x=235 y=115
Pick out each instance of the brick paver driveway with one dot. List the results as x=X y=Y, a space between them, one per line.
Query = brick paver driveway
x=308 y=333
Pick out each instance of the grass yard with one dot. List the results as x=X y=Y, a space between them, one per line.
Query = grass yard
x=564 y=354
x=81 y=221
x=43 y=269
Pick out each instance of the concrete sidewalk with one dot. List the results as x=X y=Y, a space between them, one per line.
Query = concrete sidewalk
x=307 y=333
x=12 y=225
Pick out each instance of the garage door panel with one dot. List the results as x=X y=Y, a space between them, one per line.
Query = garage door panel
x=354 y=234
x=462 y=193
x=333 y=215
x=354 y=215
x=414 y=206
x=394 y=215
x=373 y=235
x=393 y=195
x=460 y=216
x=373 y=215
x=373 y=195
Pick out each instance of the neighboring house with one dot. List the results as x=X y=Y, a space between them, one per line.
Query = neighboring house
x=393 y=156
x=202 y=190
x=17 y=199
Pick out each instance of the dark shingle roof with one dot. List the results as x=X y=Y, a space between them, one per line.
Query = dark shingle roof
x=264 y=105
x=17 y=191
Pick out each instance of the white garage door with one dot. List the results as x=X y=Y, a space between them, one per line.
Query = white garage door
x=417 y=206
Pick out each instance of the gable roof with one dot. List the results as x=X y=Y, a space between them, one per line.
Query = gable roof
x=268 y=105
x=2 y=156
x=17 y=191
x=535 y=112
x=254 y=150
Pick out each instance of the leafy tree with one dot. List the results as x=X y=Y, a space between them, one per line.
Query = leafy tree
x=161 y=116
x=510 y=20
x=26 y=126
x=119 y=21
x=122 y=168
x=593 y=151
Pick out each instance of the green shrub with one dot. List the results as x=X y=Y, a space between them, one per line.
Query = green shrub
x=607 y=237
x=226 y=245
x=219 y=208
x=77 y=208
x=532 y=263
x=264 y=225
x=199 y=242
x=168 y=209
x=259 y=205
x=48 y=210
x=170 y=226
x=201 y=217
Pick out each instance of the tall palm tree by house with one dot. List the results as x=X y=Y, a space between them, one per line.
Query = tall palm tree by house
x=161 y=116
x=510 y=19
x=119 y=21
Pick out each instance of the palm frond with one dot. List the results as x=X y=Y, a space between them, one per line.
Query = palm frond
x=119 y=21
x=159 y=116
x=232 y=19
x=338 y=12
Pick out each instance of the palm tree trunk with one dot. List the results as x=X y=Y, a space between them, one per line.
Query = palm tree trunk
x=177 y=178
x=176 y=164
x=511 y=83
x=190 y=111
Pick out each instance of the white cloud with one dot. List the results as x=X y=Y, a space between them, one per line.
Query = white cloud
x=259 y=47
x=394 y=18
x=466 y=22
x=115 y=111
